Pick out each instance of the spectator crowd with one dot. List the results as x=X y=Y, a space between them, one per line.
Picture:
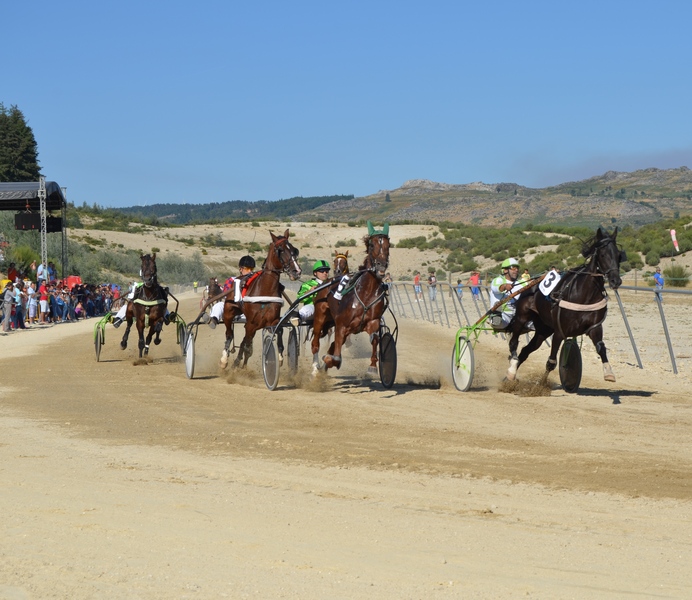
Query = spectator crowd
x=26 y=303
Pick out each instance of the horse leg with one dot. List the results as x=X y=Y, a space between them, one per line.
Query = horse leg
x=123 y=342
x=228 y=321
x=245 y=352
x=333 y=357
x=280 y=345
x=157 y=331
x=596 y=335
x=315 y=344
x=552 y=359
x=373 y=328
x=154 y=329
x=141 y=344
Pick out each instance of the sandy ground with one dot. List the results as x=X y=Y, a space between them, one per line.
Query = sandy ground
x=123 y=481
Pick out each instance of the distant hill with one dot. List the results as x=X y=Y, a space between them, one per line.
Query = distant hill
x=234 y=210
x=636 y=198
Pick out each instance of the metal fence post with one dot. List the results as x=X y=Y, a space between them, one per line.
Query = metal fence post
x=629 y=331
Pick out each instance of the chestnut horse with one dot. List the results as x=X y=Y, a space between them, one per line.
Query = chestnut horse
x=324 y=320
x=362 y=305
x=262 y=302
x=147 y=308
x=576 y=305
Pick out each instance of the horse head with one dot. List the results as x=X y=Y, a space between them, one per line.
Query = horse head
x=377 y=248
x=148 y=270
x=283 y=256
x=340 y=263
x=606 y=256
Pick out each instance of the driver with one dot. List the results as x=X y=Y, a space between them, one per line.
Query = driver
x=246 y=265
x=320 y=273
x=501 y=287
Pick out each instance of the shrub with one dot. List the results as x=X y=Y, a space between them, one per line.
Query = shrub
x=676 y=276
x=653 y=258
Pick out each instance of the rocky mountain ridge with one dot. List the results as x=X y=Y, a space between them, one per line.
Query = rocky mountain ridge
x=635 y=198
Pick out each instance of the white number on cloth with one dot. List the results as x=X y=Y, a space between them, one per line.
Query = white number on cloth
x=549 y=282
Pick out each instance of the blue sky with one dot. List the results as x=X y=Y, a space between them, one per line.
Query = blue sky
x=144 y=102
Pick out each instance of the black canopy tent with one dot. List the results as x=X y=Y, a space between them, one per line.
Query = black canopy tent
x=32 y=201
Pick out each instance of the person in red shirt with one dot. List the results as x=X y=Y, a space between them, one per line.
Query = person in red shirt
x=43 y=302
x=12 y=273
x=416 y=286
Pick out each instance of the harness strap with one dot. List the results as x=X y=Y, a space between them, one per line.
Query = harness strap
x=252 y=299
x=583 y=307
x=149 y=302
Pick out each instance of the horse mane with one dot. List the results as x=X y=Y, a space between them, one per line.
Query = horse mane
x=588 y=247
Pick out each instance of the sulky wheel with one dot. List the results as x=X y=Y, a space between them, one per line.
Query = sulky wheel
x=293 y=350
x=270 y=361
x=462 y=365
x=98 y=342
x=570 y=365
x=190 y=355
x=387 y=364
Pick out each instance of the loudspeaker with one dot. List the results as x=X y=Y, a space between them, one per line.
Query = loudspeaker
x=27 y=221
x=32 y=221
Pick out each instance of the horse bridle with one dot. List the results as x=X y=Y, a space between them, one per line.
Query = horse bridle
x=285 y=266
x=376 y=265
x=345 y=259
x=621 y=256
x=150 y=280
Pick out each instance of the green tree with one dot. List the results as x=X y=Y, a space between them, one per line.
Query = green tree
x=18 y=150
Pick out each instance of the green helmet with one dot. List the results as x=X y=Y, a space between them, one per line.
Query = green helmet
x=510 y=262
x=320 y=264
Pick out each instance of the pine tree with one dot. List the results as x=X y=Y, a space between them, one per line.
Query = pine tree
x=18 y=149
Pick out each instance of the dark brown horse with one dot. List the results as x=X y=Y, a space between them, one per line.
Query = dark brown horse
x=362 y=304
x=576 y=305
x=322 y=316
x=147 y=308
x=262 y=302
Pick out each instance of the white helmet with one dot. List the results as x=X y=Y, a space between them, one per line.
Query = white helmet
x=510 y=262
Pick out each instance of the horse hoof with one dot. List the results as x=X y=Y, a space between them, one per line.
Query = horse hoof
x=281 y=359
x=123 y=345
x=610 y=377
x=510 y=376
x=157 y=342
x=372 y=372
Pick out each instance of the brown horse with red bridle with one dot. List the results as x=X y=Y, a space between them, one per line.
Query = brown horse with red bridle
x=361 y=306
x=262 y=301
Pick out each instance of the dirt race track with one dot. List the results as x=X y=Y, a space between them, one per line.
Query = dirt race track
x=123 y=481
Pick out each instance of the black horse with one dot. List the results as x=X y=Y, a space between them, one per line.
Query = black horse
x=147 y=308
x=576 y=305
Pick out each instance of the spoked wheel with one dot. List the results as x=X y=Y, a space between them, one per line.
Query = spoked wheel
x=98 y=342
x=462 y=365
x=270 y=360
x=182 y=337
x=190 y=355
x=293 y=350
x=387 y=364
x=570 y=365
